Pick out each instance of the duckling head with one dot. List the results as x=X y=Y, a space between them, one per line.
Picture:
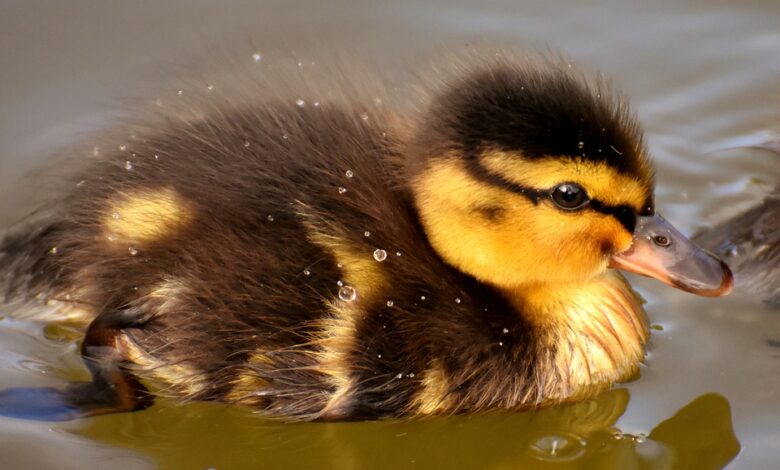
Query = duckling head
x=538 y=174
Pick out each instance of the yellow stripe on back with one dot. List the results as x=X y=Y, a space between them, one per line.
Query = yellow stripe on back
x=146 y=215
x=338 y=331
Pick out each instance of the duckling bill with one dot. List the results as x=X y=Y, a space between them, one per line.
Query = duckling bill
x=319 y=263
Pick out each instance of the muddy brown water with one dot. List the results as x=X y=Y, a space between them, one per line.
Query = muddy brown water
x=703 y=77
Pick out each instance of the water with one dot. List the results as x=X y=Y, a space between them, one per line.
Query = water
x=703 y=77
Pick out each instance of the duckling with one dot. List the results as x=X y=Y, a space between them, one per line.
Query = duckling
x=318 y=265
x=751 y=241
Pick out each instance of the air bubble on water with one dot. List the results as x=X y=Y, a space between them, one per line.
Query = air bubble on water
x=270 y=218
x=505 y=331
x=457 y=300
x=399 y=376
x=411 y=375
x=342 y=190
x=390 y=303
x=581 y=145
x=379 y=356
x=306 y=272
x=366 y=234
x=347 y=293
x=380 y=254
x=422 y=297
x=128 y=165
x=349 y=173
x=558 y=448
x=133 y=251
x=257 y=57
x=500 y=343
x=339 y=283
x=300 y=102
x=398 y=253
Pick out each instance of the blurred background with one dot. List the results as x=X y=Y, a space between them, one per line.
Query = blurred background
x=705 y=80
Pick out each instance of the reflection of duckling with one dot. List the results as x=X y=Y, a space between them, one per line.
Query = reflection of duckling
x=308 y=262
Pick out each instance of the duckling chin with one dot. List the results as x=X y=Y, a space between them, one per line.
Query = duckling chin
x=315 y=264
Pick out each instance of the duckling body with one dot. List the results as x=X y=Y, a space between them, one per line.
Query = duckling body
x=303 y=261
x=751 y=242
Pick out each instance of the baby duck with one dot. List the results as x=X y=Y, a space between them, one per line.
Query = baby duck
x=751 y=242
x=316 y=265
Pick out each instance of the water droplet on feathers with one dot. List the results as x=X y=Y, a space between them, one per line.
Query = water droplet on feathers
x=347 y=293
x=380 y=255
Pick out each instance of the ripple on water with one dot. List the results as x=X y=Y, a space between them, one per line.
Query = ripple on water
x=558 y=447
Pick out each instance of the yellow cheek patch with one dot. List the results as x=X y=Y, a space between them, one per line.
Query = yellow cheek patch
x=527 y=243
x=147 y=215
x=601 y=181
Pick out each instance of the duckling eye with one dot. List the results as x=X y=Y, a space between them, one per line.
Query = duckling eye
x=569 y=196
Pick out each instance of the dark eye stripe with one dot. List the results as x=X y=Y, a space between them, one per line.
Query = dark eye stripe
x=623 y=213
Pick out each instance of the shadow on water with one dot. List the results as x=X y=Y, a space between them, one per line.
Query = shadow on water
x=582 y=435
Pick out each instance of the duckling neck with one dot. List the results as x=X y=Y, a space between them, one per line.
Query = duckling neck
x=591 y=334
